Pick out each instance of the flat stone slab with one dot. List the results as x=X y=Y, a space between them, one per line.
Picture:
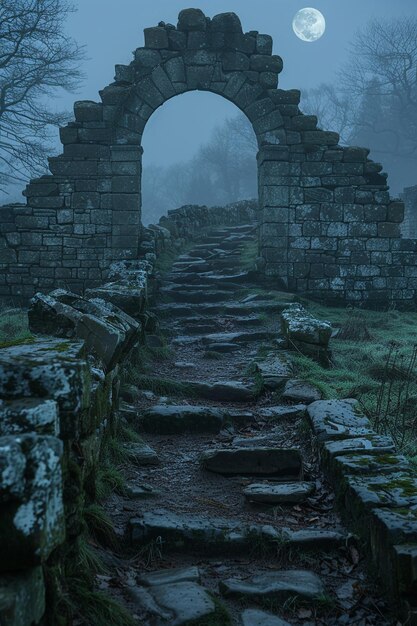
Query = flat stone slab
x=299 y=325
x=278 y=586
x=274 y=369
x=338 y=419
x=227 y=391
x=141 y=454
x=283 y=412
x=175 y=604
x=364 y=464
x=190 y=533
x=170 y=576
x=262 y=461
x=223 y=348
x=282 y=493
x=141 y=491
x=170 y=419
x=301 y=392
x=362 y=494
x=253 y=617
x=373 y=444
x=237 y=337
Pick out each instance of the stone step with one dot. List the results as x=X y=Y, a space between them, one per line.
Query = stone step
x=198 y=329
x=223 y=391
x=253 y=461
x=283 y=493
x=207 y=287
x=169 y=419
x=229 y=308
x=196 y=296
x=194 y=533
x=261 y=335
x=208 y=278
x=279 y=586
x=301 y=392
x=255 y=617
x=283 y=412
x=174 y=604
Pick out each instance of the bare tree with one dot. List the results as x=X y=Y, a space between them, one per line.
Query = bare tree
x=37 y=58
x=333 y=109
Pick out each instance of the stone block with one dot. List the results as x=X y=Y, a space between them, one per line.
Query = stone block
x=49 y=368
x=162 y=82
x=22 y=598
x=192 y=20
x=268 y=80
x=156 y=38
x=388 y=229
x=226 y=23
x=197 y=40
x=177 y=40
x=88 y=111
x=266 y=63
x=32 y=523
x=232 y=61
x=175 y=70
x=354 y=154
x=263 y=44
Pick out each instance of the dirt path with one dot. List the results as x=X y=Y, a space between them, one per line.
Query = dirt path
x=267 y=564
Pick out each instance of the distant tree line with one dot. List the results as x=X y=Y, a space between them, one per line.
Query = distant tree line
x=223 y=171
x=374 y=101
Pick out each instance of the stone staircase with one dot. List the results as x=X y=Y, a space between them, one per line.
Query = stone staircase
x=233 y=520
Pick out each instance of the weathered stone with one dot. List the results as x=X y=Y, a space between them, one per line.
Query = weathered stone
x=172 y=419
x=253 y=461
x=141 y=492
x=283 y=412
x=226 y=23
x=278 y=586
x=177 y=603
x=299 y=325
x=48 y=316
x=130 y=296
x=141 y=454
x=254 y=617
x=368 y=464
x=32 y=520
x=170 y=576
x=156 y=38
x=274 y=369
x=29 y=415
x=338 y=419
x=22 y=598
x=283 y=493
x=192 y=20
x=301 y=392
x=53 y=369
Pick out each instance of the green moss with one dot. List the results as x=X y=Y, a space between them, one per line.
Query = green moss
x=406 y=486
x=64 y=346
x=17 y=342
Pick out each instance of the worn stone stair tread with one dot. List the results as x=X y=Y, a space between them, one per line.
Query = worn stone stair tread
x=175 y=604
x=365 y=464
x=238 y=337
x=283 y=493
x=301 y=392
x=278 y=586
x=226 y=391
x=229 y=308
x=223 y=348
x=372 y=444
x=255 y=617
x=196 y=296
x=253 y=461
x=176 y=419
x=141 y=491
x=170 y=576
x=338 y=419
x=284 y=411
x=141 y=454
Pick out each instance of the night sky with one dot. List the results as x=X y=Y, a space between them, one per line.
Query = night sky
x=112 y=30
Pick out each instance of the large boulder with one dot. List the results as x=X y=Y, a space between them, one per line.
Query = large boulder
x=192 y=20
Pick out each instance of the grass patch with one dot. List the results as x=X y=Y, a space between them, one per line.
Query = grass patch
x=373 y=360
x=100 y=525
x=249 y=254
x=96 y=607
x=14 y=328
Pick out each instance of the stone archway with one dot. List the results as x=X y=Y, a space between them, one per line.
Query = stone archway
x=328 y=227
x=98 y=176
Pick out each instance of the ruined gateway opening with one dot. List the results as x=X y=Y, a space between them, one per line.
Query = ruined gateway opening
x=207 y=157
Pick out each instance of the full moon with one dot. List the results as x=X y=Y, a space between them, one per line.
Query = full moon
x=309 y=24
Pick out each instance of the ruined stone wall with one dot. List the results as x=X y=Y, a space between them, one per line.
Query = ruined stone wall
x=329 y=227
x=409 y=226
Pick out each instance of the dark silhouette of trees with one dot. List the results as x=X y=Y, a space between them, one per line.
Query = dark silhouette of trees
x=37 y=58
x=375 y=101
